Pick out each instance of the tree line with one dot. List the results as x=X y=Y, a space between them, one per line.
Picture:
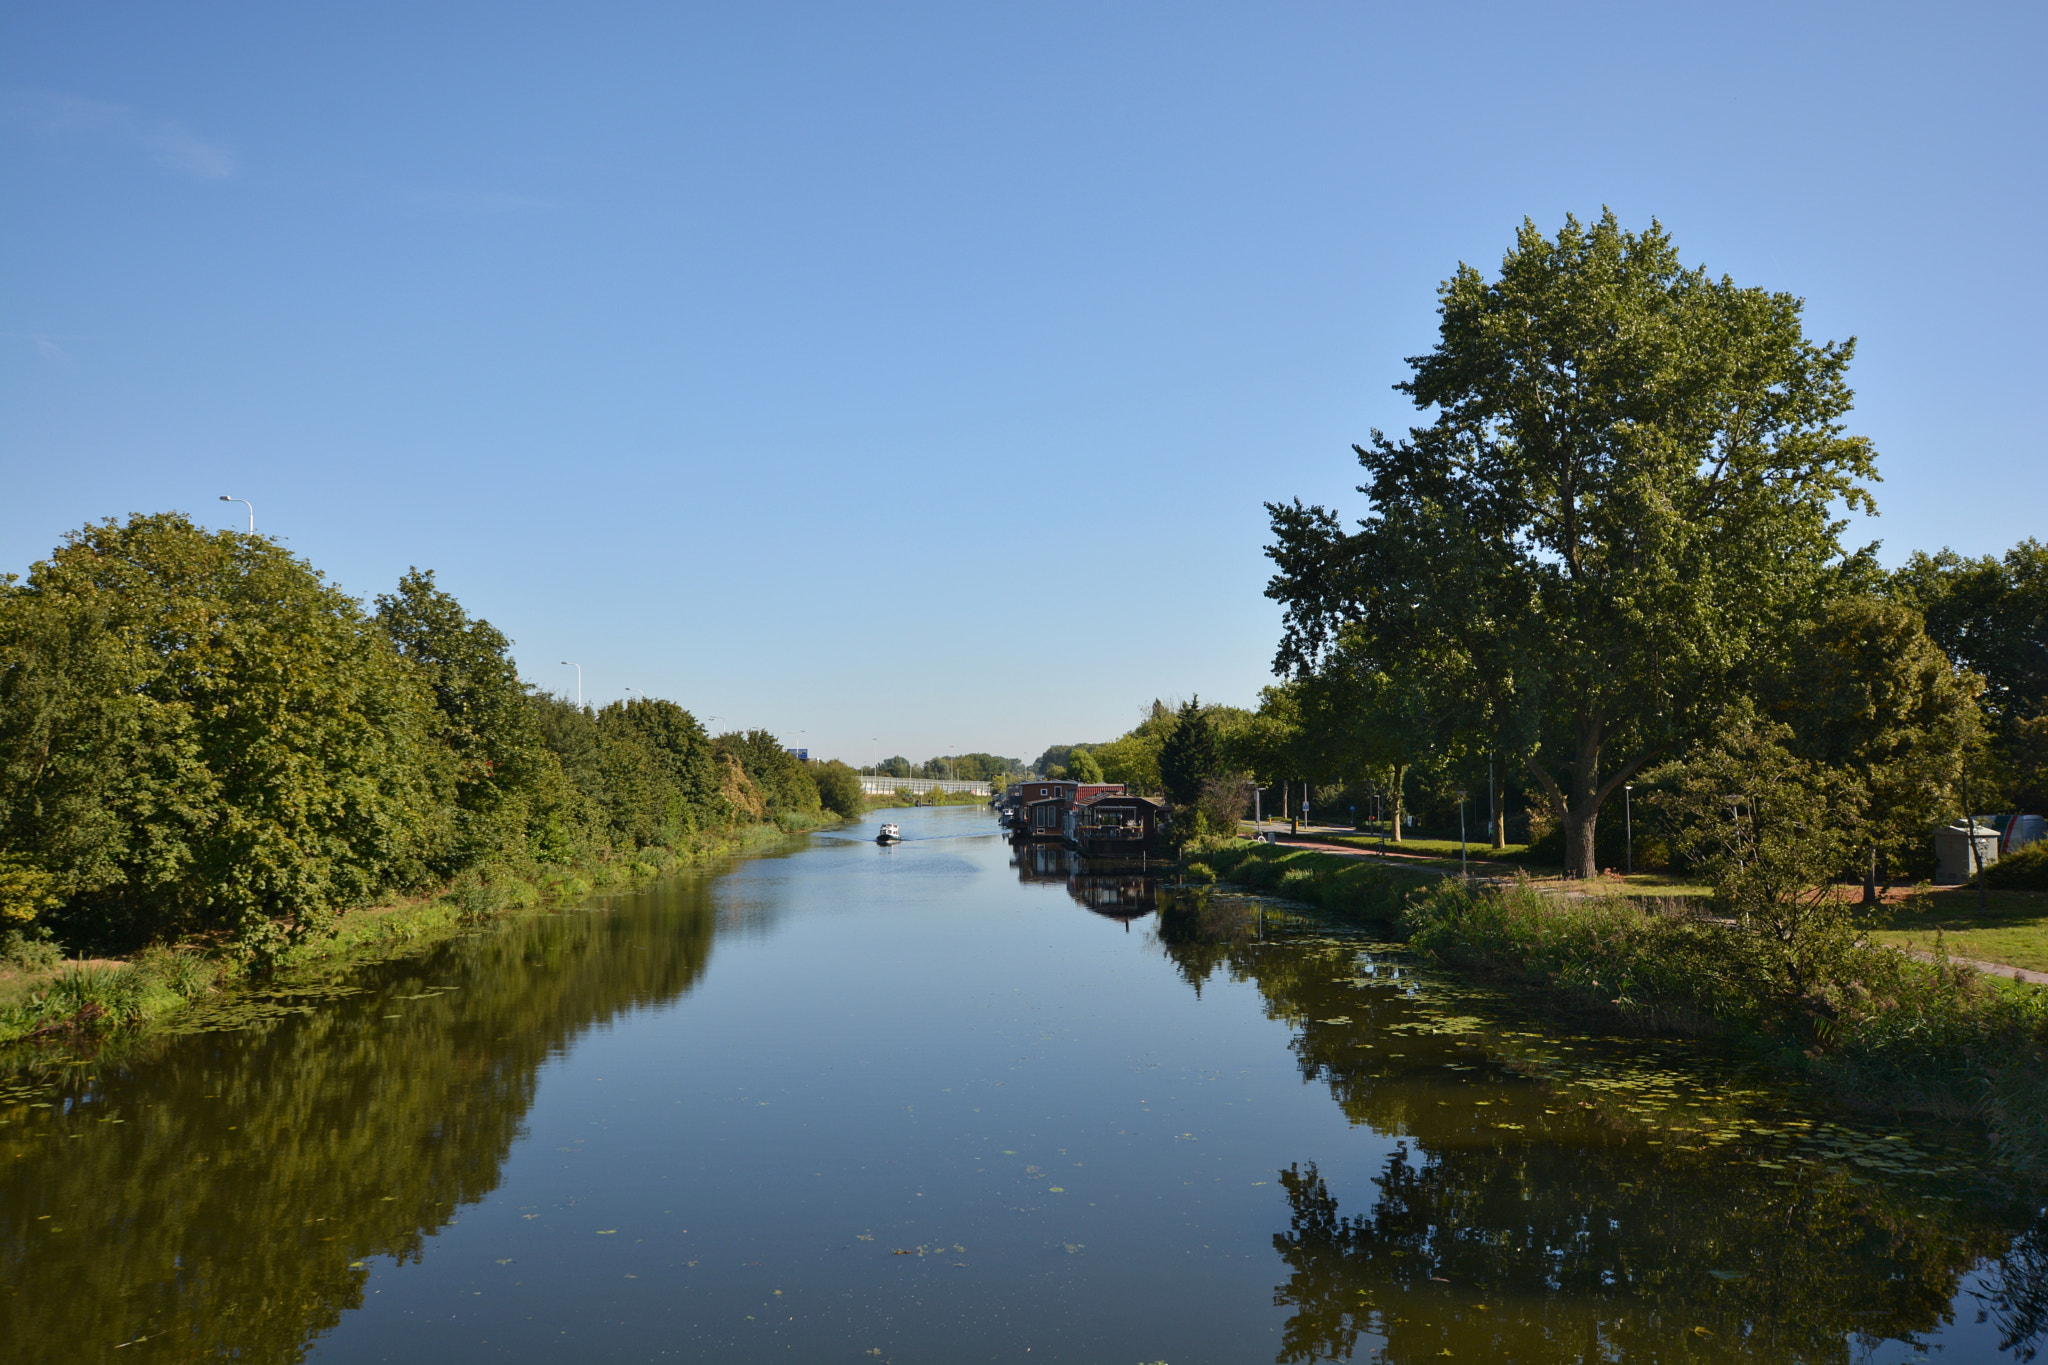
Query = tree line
x=962 y=767
x=200 y=736
x=1612 y=557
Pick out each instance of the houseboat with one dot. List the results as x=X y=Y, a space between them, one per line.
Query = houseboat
x=1115 y=825
x=1047 y=804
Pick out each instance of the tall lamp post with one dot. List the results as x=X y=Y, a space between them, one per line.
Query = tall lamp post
x=1628 y=825
x=579 y=682
x=246 y=503
x=1461 y=832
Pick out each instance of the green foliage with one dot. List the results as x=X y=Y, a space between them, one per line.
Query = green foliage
x=1188 y=758
x=197 y=733
x=200 y=737
x=1082 y=767
x=839 y=789
x=1991 y=617
x=496 y=756
x=2024 y=869
x=779 y=775
x=25 y=891
x=1620 y=516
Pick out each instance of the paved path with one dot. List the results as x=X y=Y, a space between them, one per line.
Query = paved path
x=2020 y=974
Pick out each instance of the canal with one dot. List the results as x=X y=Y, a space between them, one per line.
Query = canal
x=950 y=1101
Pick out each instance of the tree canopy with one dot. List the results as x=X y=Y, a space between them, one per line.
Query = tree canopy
x=1619 y=517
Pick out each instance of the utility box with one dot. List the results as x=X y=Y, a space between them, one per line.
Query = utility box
x=1954 y=863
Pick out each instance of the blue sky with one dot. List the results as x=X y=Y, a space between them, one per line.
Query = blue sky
x=910 y=376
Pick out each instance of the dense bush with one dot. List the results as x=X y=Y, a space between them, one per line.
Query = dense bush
x=2023 y=870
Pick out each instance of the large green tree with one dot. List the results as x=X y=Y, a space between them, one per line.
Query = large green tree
x=1620 y=514
x=198 y=733
x=486 y=724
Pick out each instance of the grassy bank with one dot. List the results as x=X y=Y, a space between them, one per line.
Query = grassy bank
x=56 y=1004
x=1882 y=1031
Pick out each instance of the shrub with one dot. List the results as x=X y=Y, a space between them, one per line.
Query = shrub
x=2025 y=870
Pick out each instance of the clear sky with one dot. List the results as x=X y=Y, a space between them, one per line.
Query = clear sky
x=910 y=376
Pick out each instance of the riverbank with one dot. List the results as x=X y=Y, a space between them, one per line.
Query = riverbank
x=51 y=1006
x=1882 y=1031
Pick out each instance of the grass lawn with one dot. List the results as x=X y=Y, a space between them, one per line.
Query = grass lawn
x=1485 y=860
x=2014 y=930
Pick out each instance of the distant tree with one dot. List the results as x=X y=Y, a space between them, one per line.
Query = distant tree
x=682 y=752
x=1188 y=758
x=839 y=789
x=1620 y=517
x=783 y=781
x=1082 y=767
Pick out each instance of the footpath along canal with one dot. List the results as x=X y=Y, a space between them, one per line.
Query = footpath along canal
x=950 y=1101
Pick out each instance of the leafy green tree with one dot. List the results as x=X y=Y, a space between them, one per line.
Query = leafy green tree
x=1774 y=831
x=197 y=733
x=680 y=750
x=1991 y=617
x=486 y=724
x=783 y=781
x=839 y=789
x=1082 y=767
x=1619 y=517
x=1870 y=694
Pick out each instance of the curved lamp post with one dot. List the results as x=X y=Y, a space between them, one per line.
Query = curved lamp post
x=579 y=682
x=246 y=503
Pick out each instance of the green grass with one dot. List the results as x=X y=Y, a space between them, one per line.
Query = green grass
x=1441 y=855
x=2014 y=931
x=71 y=1002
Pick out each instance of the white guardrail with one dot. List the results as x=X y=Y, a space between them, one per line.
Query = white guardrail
x=884 y=786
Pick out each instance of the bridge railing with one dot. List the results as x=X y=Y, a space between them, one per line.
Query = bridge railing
x=884 y=786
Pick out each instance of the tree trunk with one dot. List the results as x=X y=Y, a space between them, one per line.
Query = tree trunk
x=1400 y=772
x=1495 y=791
x=1580 y=825
x=1870 y=877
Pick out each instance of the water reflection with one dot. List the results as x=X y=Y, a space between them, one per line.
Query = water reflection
x=1118 y=891
x=1521 y=1220
x=219 y=1196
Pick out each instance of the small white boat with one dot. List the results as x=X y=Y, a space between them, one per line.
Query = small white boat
x=890 y=835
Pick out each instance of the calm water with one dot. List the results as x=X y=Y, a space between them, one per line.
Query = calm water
x=947 y=1102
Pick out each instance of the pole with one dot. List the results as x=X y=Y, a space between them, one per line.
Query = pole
x=1461 y=835
x=579 y=682
x=1628 y=825
x=246 y=503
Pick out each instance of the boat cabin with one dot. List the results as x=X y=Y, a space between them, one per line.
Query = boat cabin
x=1115 y=825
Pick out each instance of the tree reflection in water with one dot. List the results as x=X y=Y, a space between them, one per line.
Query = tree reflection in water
x=220 y=1196
x=1516 y=1225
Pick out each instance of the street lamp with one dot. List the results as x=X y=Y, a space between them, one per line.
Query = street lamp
x=1628 y=824
x=1461 y=832
x=246 y=503
x=579 y=682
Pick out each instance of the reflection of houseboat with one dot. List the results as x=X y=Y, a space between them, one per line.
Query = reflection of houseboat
x=1124 y=897
x=1115 y=825
x=889 y=834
